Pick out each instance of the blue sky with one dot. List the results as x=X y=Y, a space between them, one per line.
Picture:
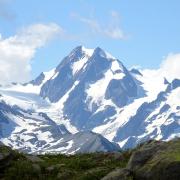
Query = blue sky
x=146 y=31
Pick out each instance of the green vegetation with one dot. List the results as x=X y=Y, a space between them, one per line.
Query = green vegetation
x=151 y=160
x=76 y=167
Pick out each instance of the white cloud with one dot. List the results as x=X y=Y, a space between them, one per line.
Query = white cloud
x=16 y=52
x=110 y=29
x=170 y=67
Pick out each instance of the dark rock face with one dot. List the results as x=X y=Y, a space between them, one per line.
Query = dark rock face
x=38 y=80
x=136 y=72
x=121 y=90
x=175 y=84
x=166 y=81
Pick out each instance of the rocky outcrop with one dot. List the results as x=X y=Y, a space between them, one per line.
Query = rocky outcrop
x=157 y=160
x=153 y=160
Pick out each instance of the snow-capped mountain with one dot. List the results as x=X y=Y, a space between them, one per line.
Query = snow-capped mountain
x=33 y=132
x=89 y=86
x=90 y=90
x=158 y=119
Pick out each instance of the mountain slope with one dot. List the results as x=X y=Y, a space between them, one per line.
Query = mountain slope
x=34 y=132
x=158 y=119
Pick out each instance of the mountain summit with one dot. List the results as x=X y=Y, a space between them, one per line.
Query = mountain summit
x=87 y=81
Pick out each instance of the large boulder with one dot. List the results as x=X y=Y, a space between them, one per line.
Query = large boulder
x=156 y=160
x=144 y=153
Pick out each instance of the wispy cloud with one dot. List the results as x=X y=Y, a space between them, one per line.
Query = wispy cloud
x=115 y=33
x=110 y=29
x=16 y=52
